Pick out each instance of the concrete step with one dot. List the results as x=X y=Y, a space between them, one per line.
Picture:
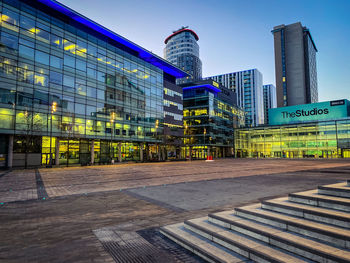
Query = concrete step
x=296 y=244
x=331 y=234
x=340 y=190
x=323 y=215
x=206 y=249
x=313 y=198
x=253 y=249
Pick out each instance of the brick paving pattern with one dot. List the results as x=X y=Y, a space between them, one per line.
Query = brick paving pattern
x=132 y=198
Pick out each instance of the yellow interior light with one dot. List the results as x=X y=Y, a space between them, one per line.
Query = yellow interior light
x=5 y=17
x=34 y=30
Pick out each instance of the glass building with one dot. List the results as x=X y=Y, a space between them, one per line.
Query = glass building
x=72 y=91
x=210 y=115
x=248 y=87
x=269 y=100
x=318 y=130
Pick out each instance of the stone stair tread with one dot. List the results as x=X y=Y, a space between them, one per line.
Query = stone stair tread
x=284 y=201
x=284 y=235
x=251 y=245
x=342 y=185
x=209 y=247
x=314 y=194
x=301 y=222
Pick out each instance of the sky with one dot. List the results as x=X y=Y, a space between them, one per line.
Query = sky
x=235 y=35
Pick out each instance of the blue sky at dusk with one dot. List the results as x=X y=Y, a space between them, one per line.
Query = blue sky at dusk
x=235 y=35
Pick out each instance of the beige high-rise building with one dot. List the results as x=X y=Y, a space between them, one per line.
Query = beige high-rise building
x=295 y=65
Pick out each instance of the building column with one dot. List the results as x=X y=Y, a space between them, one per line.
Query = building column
x=10 y=152
x=141 y=152
x=92 y=152
x=208 y=151
x=190 y=155
x=159 y=153
x=57 y=152
x=120 y=152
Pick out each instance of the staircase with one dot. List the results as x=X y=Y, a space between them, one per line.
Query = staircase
x=310 y=226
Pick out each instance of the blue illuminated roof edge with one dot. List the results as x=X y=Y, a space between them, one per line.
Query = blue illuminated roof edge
x=208 y=86
x=142 y=53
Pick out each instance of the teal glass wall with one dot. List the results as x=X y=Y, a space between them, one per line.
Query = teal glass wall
x=322 y=111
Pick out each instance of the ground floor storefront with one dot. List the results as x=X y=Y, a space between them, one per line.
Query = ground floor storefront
x=329 y=139
x=202 y=152
x=35 y=151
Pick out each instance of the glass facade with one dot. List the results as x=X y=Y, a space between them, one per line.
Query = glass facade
x=329 y=139
x=209 y=120
x=248 y=86
x=68 y=82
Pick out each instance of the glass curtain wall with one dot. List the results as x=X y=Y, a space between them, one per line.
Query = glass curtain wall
x=313 y=140
x=99 y=91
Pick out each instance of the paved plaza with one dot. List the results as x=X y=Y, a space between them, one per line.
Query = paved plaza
x=99 y=213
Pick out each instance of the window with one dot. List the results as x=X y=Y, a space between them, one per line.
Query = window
x=10 y=17
x=81 y=65
x=55 y=62
x=56 y=78
x=101 y=76
x=91 y=73
x=68 y=103
x=79 y=108
x=27 y=23
x=56 y=41
x=41 y=80
x=26 y=52
x=43 y=36
x=9 y=41
x=91 y=92
x=100 y=94
x=7 y=96
x=42 y=57
x=69 y=61
x=68 y=83
x=90 y=110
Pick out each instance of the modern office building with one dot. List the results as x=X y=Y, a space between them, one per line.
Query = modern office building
x=182 y=50
x=210 y=115
x=247 y=86
x=318 y=130
x=295 y=65
x=173 y=115
x=269 y=100
x=74 y=92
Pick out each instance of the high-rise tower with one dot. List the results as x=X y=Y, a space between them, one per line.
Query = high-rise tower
x=182 y=50
x=295 y=64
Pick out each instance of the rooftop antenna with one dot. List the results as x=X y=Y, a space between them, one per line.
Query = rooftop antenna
x=183 y=27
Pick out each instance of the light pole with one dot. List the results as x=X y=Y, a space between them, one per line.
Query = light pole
x=53 y=109
x=112 y=118
x=204 y=133
x=156 y=127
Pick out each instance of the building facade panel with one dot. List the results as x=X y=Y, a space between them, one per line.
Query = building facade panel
x=248 y=88
x=270 y=100
x=61 y=80
x=210 y=115
x=182 y=50
x=295 y=65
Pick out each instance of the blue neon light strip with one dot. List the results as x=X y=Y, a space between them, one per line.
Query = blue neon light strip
x=207 y=86
x=143 y=54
